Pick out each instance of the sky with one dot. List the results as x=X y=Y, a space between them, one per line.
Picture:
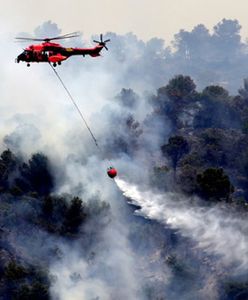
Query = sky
x=145 y=18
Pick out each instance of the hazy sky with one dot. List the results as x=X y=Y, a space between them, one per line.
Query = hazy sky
x=146 y=18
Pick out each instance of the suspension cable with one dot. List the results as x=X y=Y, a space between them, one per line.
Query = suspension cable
x=76 y=106
x=79 y=111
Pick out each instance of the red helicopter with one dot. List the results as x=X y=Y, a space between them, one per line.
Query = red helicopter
x=55 y=53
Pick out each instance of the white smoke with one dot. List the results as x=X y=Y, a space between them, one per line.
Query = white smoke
x=215 y=231
x=109 y=273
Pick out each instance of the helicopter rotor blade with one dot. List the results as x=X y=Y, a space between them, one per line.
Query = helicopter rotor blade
x=66 y=36
x=20 y=41
x=28 y=39
x=61 y=37
x=72 y=33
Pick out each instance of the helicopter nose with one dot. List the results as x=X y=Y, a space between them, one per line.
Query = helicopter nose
x=20 y=57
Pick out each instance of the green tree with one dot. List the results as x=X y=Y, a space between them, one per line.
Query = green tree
x=37 y=291
x=14 y=271
x=74 y=216
x=216 y=92
x=216 y=110
x=240 y=104
x=36 y=175
x=48 y=206
x=176 y=98
x=226 y=41
x=128 y=98
x=192 y=44
x=214 y=184
x=180 y=87
x=227 y=34
x=8 y=164
x=175 y=149
x=186 y=178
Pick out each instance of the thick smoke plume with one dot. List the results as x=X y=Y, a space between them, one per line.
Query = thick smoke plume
x=215 y=231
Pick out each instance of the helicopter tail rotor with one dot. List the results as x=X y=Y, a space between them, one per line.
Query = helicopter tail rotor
x=102 y=42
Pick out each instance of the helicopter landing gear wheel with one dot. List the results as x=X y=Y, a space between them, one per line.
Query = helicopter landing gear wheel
x=54 y=64
x=59 y=63
x=28 y=64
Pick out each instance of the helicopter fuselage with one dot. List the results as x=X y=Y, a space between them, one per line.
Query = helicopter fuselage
x=55 y=53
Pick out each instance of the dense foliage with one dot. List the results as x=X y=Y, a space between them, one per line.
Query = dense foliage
x=208 y=143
